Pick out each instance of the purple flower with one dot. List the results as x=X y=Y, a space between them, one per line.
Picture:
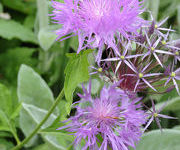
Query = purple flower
x=96 y=70
x=152 y=49
x=123 y=58
x=141 y=75
x=112 y=120
x=174 y=75
x=174 y=48
x=155 y=115
x=98 y=22
x=156 y=26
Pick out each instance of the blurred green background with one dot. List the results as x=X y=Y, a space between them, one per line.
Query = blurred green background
x=27 y=37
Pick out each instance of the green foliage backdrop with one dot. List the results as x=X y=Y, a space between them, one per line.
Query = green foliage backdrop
x=32 y=66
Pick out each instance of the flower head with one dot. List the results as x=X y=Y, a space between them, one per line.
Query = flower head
x=113 y=117
x=140 y=62
x=173 y=75
x=155 y=115
x=98 y=22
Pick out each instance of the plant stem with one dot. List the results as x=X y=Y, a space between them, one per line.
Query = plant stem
x=60 y=96
x=16 y=137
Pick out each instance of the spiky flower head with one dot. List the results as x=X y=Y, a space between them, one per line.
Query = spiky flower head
x=155 y=115
x=98 y=22
x=112 y=120
x=141 y=62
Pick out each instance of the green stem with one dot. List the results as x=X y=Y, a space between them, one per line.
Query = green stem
x=60 y=96
x=16 y=137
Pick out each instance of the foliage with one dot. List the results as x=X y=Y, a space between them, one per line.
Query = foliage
x=32 y=69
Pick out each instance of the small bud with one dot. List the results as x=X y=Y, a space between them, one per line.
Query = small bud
x=173 y=74
x=140 y=75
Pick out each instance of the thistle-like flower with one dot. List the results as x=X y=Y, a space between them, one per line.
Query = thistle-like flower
x=113 y=120
x=98 y=22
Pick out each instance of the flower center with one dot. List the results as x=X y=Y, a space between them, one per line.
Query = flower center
x=163 y=42
x=99 y=13
x=100 y=69
x=122 y=57
x=108 y=117
x=141 y=75
x=156 y=26
x=155 y=115
x=152 y=48
x=173 y=74
x=177 y=53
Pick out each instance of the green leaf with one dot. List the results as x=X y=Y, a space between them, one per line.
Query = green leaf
x=171 y=9
x=76 y=72
x=161 y=89
x=5 y=145
x=1 y=8
x=30 y=117
x=154 y=7
x=178 y=15
x=177 y=127
x=74 y=43
x=5 y=100
x=96 y=85
x=169 y=95
x=6 y=109
x=37 y=99
x=17 y=56
x=42 y=147
x=10 y=29
x=154 y=140
x=32 y=89
x=2 y=147
x=4 y=122
x=37 y=114
x=29 y=21
x=16 y=112
x=46 y=38
x=7 y=125
x=58 y=140
x=27 y=7
x=171 y=105
x=5 y=134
